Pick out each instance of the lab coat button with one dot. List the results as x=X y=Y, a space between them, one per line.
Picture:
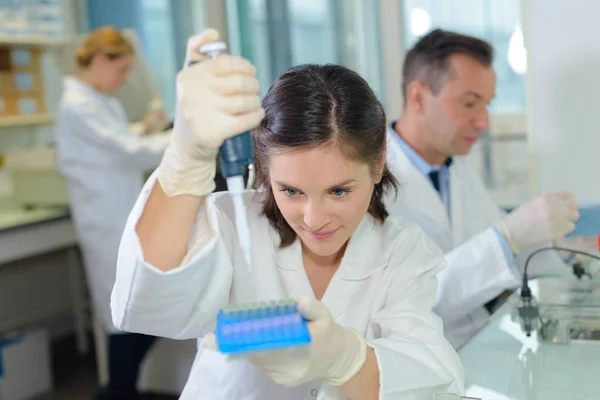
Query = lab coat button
x=311 y=395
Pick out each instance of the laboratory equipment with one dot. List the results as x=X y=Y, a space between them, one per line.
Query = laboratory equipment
x=235 y=159
x=565 y=310
x=569 y=310
x=260 y=327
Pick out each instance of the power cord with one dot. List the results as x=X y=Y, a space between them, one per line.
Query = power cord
x=528 y=310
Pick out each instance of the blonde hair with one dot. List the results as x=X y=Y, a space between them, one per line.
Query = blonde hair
x=106 y=40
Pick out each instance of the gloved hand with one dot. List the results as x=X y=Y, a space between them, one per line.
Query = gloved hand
x=335 y=354
x=216 y=100
x=155 y=119
x=542 y=219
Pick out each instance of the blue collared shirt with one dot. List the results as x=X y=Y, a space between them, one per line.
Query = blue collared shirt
x=444 y=174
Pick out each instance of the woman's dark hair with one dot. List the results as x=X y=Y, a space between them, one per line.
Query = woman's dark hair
x=313 y=105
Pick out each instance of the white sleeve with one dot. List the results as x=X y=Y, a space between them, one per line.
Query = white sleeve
x=415 y=360
x=181 y=303
x=133 y=152
x=477 y=271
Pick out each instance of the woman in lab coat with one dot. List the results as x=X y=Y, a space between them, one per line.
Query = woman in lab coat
x=320 y=234
x=104 y=163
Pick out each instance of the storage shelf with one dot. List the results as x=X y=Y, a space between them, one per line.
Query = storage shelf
x=30 y=40
x=20 y=120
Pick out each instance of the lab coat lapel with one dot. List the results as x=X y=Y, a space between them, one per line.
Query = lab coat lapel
x=292 y=273
x=364 y=256
x=456 y=205
x=415 y=188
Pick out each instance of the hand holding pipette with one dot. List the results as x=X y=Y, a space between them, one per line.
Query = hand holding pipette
x=216 y=99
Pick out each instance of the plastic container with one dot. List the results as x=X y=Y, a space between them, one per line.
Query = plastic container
x=25 y=369
x=261 y=327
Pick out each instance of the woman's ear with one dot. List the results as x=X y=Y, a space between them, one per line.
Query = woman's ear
x=380 y=167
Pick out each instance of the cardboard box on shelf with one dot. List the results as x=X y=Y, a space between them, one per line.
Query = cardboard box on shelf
x=20 y=59
x=5 y=59
x=13 y=105
x=21 y=83
x=28 y=59
x=6 y=83
x=27 y=82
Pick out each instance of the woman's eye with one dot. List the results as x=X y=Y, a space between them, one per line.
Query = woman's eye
x=290 y=192
x=339 y=192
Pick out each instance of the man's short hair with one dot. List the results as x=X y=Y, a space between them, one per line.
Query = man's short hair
x=429 y=59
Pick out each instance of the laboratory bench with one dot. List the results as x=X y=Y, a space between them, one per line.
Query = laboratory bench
x=25 y=231
x=41 y=279
x=502 y=363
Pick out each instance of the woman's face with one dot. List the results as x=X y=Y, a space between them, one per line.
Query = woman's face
x=113 y=74
x=322 y=195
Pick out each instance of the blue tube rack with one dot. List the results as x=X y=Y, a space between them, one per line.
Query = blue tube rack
x=261 y=327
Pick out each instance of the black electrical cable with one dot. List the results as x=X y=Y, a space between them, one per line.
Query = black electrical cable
x=525 y=290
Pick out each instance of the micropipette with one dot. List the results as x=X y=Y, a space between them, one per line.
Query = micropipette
x=235 y=157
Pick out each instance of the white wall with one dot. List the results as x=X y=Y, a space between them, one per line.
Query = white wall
x=563 y=45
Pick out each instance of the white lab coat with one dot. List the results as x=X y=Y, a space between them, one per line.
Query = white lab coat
x=384 y=288
x=104 y=165
x=477 y=270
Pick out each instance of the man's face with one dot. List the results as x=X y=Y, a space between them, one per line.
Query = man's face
x=455 y=118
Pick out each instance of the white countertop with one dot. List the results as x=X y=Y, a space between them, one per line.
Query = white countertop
x=15 y=217
x=501 y=363
x=25 y=233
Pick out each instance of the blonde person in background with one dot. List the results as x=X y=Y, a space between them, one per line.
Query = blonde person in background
x=104 y=160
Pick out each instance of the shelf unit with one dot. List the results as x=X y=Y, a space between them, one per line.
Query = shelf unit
x=22 y=120
x=30 y=41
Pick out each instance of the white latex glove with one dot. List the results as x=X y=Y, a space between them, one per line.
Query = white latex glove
x=216 y=100
x=335 y=354
x=540 y=220
x=155 y=121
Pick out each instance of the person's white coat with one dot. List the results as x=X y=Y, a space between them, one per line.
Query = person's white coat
x=104 y=164
x=384 y=288
x=477 y=269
